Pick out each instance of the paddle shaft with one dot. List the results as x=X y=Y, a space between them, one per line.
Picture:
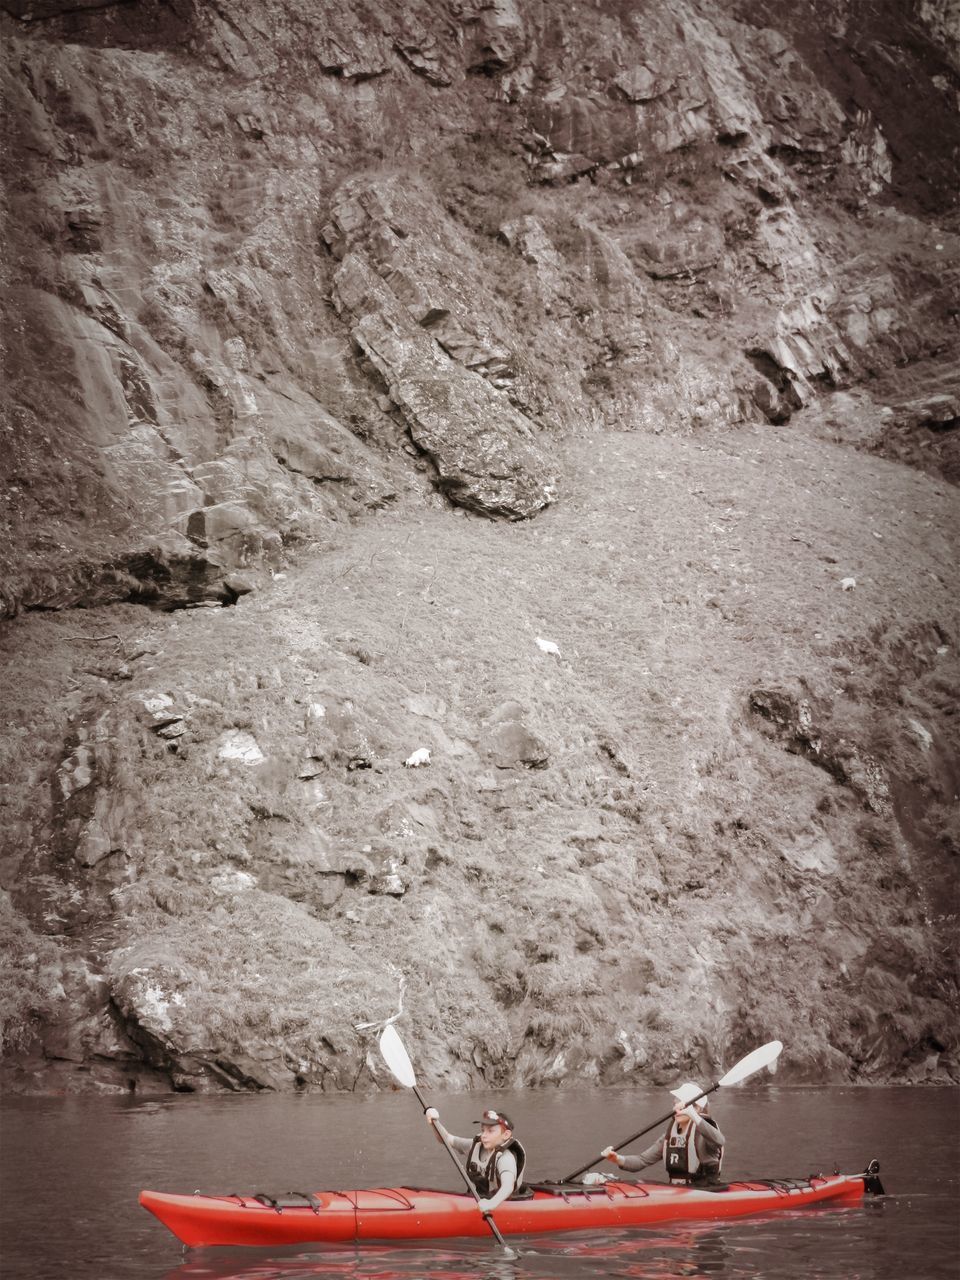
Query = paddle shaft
x=463 y=1174
x=633 y=1137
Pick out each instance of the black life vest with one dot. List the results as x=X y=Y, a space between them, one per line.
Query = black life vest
x=486 y=1177
x=681 y=1157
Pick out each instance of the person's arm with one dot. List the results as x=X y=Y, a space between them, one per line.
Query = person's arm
x=462 y=1145
x=507 y=1165
x=633 y=1164
x=708 y=1132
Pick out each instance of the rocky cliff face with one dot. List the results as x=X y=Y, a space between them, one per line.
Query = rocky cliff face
x=566 y=391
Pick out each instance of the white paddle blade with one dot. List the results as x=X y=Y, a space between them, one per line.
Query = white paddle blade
x=396 y=1057
x=756 y=1061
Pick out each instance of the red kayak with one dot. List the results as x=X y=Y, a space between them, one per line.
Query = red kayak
x=410 y=1213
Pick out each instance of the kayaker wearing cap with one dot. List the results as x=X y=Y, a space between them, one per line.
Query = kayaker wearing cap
x=691 y=1148
x=495 y=1159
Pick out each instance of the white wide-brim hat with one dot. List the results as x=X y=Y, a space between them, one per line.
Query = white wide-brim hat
x=687 y=1092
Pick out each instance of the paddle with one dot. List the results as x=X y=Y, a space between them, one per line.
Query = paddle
x=398 y=1060
x=753 y=1062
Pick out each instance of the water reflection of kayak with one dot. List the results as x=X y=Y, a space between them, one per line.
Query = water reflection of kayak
x=395 y=1261
x=410 y=1213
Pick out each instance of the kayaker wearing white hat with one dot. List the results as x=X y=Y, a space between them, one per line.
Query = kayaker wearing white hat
x=692 y=1147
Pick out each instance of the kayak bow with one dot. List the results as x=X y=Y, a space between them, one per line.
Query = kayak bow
x=411 y=1213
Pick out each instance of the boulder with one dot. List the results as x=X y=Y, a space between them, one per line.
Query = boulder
x=237 y=744
x=939 y=411
x=157 y=711
x=483 y=450
x=509 y=744
x=641 y=84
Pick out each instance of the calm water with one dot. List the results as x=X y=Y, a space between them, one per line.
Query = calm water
x=72 y=1169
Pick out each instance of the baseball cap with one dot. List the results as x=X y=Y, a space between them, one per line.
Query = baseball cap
x=495 y=1117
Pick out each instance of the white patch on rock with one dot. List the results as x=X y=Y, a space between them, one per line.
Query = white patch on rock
x=924 y=736
x=153 y=1005
x=157 y=711
x=77 y=771
x=232 y=881
x=389 y=882
x=157 y=702
x=235 y=744
x=812 y=853
x=557 y=1069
